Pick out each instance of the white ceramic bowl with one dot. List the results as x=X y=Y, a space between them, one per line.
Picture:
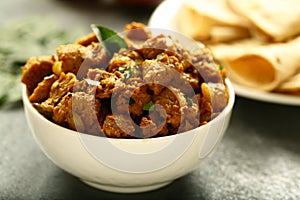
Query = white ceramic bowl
x=127 y=165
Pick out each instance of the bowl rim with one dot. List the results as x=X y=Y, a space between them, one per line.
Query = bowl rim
x=225 y=111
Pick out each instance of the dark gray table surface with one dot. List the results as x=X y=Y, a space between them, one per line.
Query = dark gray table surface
x=258 y=158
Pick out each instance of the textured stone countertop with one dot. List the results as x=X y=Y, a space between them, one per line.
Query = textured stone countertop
x=258 y=158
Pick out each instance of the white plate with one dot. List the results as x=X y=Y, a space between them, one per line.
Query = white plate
x=266 y=96
x=165 y=16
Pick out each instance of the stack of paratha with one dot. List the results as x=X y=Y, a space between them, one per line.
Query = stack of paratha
x=257 y=41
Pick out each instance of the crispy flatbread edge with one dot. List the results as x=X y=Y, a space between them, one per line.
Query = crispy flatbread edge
x=208 y=29
x=291 y=85
x=262 y=67
x=263 y=24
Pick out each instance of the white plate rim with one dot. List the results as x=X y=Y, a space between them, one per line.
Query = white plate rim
x=164 y=16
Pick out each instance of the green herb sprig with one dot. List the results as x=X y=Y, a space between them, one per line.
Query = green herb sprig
x=109 y=39
x=127 y=71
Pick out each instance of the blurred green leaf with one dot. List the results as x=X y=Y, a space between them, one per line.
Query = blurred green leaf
x=21 y=40
x=109 y=39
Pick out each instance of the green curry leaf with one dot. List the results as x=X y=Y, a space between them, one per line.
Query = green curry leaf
x=109 y=39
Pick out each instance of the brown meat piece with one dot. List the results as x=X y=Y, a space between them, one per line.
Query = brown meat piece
x=41 y=92
x=62 y=112
x=118 y=61
x=172 y=61
x=158 y=44
x=86 y=86
x=182 y=112
x=136 y=34
x=168 y=71
x=213 y=100
x=216 y=94
x=104 y=80
x=148 y=128
x=79 y=112
x=137 y=31
x=184 y=80
x=59 y=89
x=139 y=98
x=72 y=56
x=134 y=55
x=205 y=66
x=87 y=39
x=153 y=127
x=209 y=72
x=94 y=56
x=79 y=59
x=125 y=65
x=112 y=124
x=192 y=81
x=35 y=70
x=205 y=109
x=131 y=96
x=159 y=75
x=171 y=99
x=191 y=118
x=120 y=101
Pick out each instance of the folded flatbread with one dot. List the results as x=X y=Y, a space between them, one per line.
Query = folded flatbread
x=291 y=85
x=262 y=67
x=278 y=19
x=211 y=21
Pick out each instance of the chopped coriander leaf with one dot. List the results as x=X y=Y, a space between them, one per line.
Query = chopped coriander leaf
x=189 y=101
x=221 y=67
x=148 y=106
x=159 y=57
x=128 y=74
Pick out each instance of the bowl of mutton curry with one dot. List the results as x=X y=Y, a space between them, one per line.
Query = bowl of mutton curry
x=127 y=112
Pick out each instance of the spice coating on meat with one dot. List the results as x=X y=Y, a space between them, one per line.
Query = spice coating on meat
x=76 y=58
x=42 y=91
x=72 y=56
x=104 y=80
x=216 y=94
x=59 y=89
x=150 y=128
x=130 y=97
x=180 y=110
x=136 y=34
x=94 y=57
x=112 y=124
x=158 y=75
x=35 y=70
x=87 y=39
x=154 y=87
x=158 y=44
x=79 y=111
x=137 y=31
x=205 y=66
